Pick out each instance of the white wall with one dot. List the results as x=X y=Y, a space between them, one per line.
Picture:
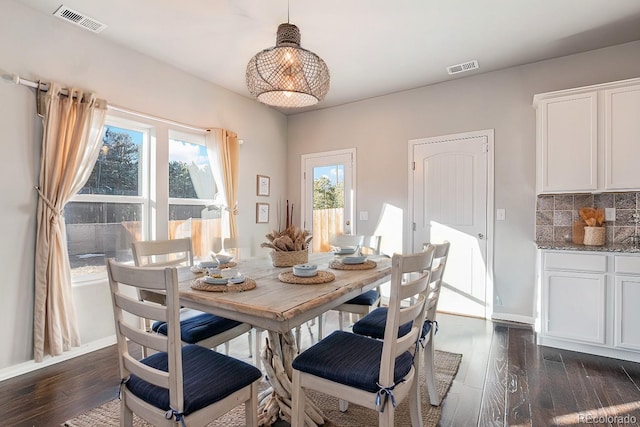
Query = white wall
x=379 y=129
x=36 y=46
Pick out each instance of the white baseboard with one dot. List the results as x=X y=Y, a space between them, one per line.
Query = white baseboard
x=30 y=366
x=513 y=318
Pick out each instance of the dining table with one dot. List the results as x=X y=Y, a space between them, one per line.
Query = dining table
x=278 y=307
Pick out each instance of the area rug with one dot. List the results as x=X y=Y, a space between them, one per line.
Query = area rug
x=446 y=366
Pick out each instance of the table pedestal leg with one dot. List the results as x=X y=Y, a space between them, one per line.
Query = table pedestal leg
x=274 y=404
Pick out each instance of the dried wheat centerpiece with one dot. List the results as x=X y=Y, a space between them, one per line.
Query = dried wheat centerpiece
x=289 y=246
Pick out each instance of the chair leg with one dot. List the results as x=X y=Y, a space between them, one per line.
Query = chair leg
x=298 y=399
x=126 y=415
x=251 y=407
x=429 y=371
x=258 y=350
x=386 y=418
x=343 y=405
x=298 y=338
x=415 y=408
x=226 y=348
x=250 y=337
x=320 y=327
x=340 y=320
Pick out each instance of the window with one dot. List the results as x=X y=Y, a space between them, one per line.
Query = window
x=141 y=177
x=193 y=211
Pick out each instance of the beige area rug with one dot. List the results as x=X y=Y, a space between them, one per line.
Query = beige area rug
x=446 y=368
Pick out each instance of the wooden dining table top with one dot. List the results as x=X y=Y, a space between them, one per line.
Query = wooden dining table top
x=277 y=306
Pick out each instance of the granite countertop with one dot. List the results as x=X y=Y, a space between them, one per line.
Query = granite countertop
x=569 y=246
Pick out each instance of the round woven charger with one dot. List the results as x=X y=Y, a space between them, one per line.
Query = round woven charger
x=201 y=285
x=367 y=265
x=321 y=277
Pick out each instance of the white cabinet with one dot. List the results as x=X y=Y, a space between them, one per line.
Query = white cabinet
x=568 y=138
x=588 y=139
x=627 y=296
x=588 y=302
x=622 y=138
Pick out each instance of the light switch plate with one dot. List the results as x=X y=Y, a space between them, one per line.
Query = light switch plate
x=364 y=216
x=500 y=214
x=610 y=214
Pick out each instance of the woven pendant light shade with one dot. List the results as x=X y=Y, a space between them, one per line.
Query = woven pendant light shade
x=287 y=75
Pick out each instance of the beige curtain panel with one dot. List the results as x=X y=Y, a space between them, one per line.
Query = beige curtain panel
x=72 y=130
x=223 y=149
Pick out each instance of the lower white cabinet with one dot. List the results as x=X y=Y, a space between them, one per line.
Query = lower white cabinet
x=589 y=302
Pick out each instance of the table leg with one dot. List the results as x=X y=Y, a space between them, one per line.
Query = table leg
x=277 y=357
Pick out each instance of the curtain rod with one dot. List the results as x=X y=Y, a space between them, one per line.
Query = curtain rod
x=45 y=87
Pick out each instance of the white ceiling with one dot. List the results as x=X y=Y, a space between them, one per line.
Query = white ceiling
x=372 y=47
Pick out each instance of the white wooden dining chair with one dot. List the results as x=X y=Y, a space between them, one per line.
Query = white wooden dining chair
x=335 y=241
x=367 y=301
x=376 y=374
x=205 y=329
x=373 y=324
x=191 y=385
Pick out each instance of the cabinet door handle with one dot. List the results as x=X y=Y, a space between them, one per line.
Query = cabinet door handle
x=480 y=236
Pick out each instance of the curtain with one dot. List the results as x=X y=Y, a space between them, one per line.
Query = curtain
x=223 y=151
x=71 y=142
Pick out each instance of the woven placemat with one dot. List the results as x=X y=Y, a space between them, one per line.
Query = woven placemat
x=367 y=265
x=201 y=285
x=321 y=277
x=227 y=265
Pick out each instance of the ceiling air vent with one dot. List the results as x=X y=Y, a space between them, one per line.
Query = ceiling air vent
x=461 y=68
x=80 y=19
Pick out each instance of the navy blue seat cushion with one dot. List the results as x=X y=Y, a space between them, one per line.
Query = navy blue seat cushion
x=367 y=298
x=208 y=377
x=373 y=325
x=349 y=359
x=199 y=327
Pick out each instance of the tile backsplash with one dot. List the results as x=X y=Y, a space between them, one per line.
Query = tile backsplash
x=555 y=215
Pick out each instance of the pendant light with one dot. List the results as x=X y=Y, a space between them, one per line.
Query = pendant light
x=287 y=75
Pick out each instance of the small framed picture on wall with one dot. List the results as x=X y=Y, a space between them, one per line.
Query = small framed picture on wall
x=262 y=213
x=263 y=185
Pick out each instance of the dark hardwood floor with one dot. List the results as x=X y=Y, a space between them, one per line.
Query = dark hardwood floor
x=504 y=379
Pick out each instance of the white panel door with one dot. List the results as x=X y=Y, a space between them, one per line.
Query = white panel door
x=450 y=203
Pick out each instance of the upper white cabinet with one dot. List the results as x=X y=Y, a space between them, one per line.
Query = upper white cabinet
x=588 y=139
x=622 y=138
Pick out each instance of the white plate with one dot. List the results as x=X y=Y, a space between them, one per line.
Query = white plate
x=236 y=280
x=354 y=260
x=208 y=264
x=345 y=251
x=215 y=280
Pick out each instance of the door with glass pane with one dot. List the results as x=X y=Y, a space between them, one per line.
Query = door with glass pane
x=328 y=195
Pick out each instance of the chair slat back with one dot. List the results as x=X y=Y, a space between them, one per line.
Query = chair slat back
x=161 y=253
x=418 y=268
x=125 y=308
x=440 y=255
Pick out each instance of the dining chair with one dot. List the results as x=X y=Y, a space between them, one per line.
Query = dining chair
x=337 y=240
x=177 y=384
x=375 y=374
x=373 y=324
x=365 y=302
x=229 y=246
x=204 y=329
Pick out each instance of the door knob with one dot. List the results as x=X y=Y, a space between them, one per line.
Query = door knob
x=480 y=236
